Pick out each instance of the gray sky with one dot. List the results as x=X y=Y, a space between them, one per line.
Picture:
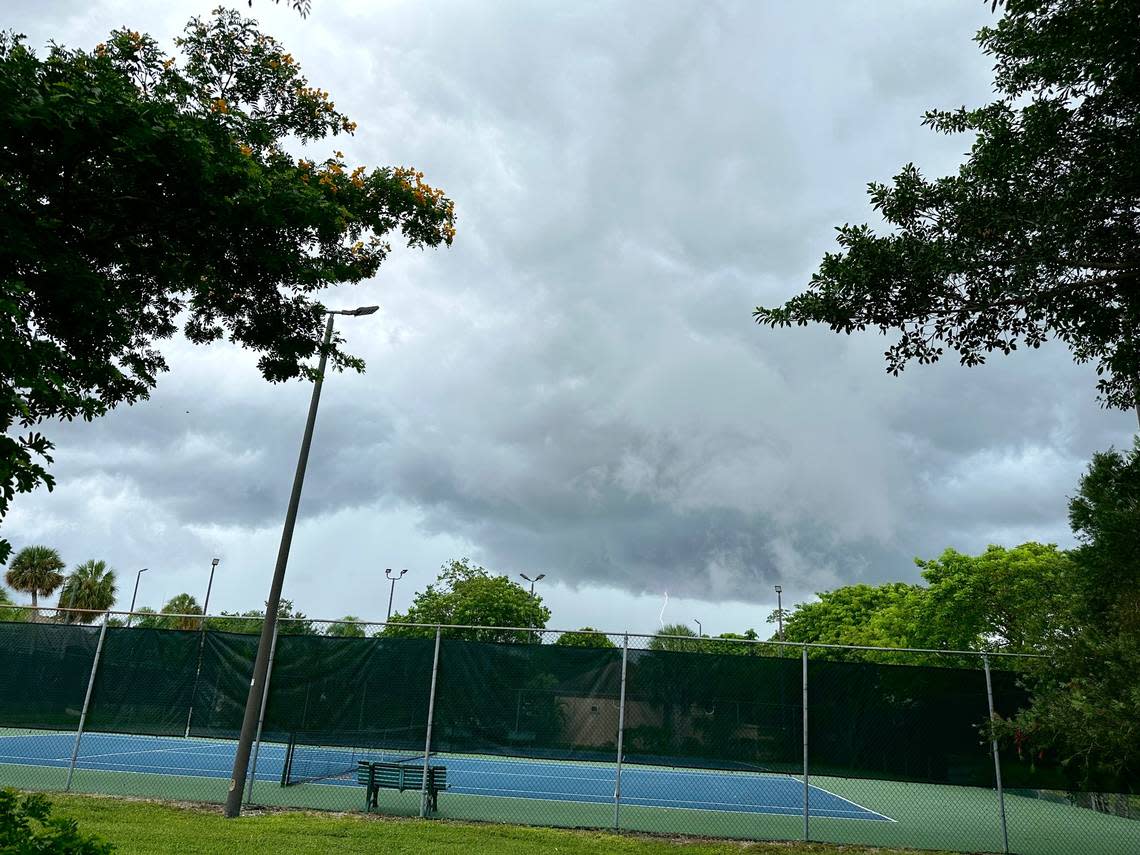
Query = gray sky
x=576 y=387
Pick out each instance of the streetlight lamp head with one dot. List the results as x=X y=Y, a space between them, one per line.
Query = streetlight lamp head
x=402 y=572
x=523 y=575
x=540 y=576
x=363 y=310
x=215 y=562
x=779 y=589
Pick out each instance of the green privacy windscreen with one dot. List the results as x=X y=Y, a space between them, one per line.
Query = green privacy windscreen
x=732 y=711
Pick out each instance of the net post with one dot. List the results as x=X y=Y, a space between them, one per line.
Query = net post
x=261 y=719
x=430 y=718
x=807 y=784
x=287 y=763
x=621 y=731
x=997 y=758
x=86 y=704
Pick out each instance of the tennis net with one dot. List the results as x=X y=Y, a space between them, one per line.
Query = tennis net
x=313 y=756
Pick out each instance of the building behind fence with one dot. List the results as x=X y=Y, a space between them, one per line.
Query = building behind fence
x=708 y=737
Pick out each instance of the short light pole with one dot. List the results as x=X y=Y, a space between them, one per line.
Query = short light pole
x=135 y=595
x=392 y=590
x=206 y=605
x=261 y=663
x=780 y=611
x=537 y=578
x=700 y=633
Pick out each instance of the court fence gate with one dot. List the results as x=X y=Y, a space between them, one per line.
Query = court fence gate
x=710 y=737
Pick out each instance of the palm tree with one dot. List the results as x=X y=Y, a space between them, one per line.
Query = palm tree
x=35 y=571
x=181 y=604
x=667 y=639
x=90 y=587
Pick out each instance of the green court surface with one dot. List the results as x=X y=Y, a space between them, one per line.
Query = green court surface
x=924 y=816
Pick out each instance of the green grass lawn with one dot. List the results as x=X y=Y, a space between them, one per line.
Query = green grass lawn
x=138 y=827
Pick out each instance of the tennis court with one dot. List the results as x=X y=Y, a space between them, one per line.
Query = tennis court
x=514 y=778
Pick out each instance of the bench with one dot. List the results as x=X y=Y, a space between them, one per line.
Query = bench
x=375 y=777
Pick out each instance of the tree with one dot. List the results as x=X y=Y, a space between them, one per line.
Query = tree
x=173 y=614
x=289 y=621
x=1085 y=709
x=35 y=571
x=667 y=638
x=845 y=615
x=1015 y=600
x=146 y=618
x=466 y=594
x=143 y=192
x=587 y=636
x=1105 y=517
x=733 y=644
x=347 y=627
x=1037 y=236
x=9 y=614
x=90 y=588
x=247 y=623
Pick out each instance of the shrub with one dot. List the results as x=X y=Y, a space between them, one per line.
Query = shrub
x=28 y=828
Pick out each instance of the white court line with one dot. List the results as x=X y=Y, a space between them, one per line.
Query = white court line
x=139 y=751
x=632 y=802
x=843 y=798
x=681 y=802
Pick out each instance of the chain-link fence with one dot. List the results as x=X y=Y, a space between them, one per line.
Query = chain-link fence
x=691 y=736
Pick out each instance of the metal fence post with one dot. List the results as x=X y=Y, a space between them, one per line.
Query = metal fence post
x=430 y=719
x=86 y=704
x=807 y=785
x=997 y=758
x=261 y=718
x=621 y=731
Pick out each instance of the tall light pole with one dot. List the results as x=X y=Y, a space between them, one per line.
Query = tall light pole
x=780 y=611
x=134 y=596
x=700 y=634
x=261 y=663
x=209 y=586
x=392 y=591
x=537 y=578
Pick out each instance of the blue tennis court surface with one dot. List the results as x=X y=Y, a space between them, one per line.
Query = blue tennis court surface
x=474 y=775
